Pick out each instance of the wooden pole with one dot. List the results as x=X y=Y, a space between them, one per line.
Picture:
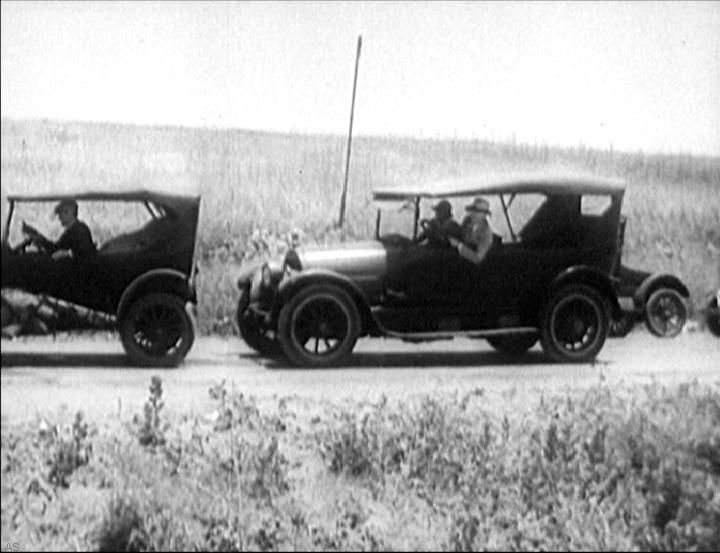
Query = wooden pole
x=349 y=145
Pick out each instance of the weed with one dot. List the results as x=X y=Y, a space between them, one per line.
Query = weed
x=70 y=450
x=152 y=431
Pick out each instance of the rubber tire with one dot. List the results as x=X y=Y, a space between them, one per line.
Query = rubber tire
x=548 y=338
x=712 y=317
x=253 y=337
x=513 y=344
x=621 y=327
x=294 y=351
x=169 y=358
x=652 y=324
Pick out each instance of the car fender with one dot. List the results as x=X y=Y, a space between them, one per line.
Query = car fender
x=157 y=280
x=655 y=281
x=582 y=274
x=290 y=286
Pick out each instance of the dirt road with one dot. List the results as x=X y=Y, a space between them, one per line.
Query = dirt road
x=46 y=375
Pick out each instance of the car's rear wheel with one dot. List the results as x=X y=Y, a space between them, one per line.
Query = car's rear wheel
x=621 y=326
x=318 y=326
x=513 y=344
x=157 y=330
x=665 y=313
x=575 y=324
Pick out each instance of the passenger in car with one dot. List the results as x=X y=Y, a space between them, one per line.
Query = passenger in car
x=477 y=233
x=441 y=228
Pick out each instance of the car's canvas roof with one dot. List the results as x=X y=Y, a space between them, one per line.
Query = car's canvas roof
x=125 y=191
x=506 y=183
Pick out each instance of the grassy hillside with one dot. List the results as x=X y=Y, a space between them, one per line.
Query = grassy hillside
x=258 y=186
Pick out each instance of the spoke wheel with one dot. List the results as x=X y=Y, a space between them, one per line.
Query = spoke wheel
x=157 y=330
x=665 y=313
x=575 y=325
x=621 y=327
x=257 y=337
x=318 y=326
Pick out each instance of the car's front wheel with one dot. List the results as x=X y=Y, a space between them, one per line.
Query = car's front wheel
x=665 y=313
x=256 y=336
x=318 y=326
x=575 y=324
x=513 y=344
x=157 y=330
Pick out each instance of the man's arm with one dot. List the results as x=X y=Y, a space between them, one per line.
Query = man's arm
x=478 y=253
x=44 y=243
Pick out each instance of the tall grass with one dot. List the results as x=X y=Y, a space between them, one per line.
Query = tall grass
x=259 y=186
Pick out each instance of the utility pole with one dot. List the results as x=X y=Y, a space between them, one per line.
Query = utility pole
x=349 y=145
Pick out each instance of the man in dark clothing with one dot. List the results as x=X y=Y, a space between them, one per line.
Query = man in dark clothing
x=70 y=273
x=438 y=230
x=76 y=239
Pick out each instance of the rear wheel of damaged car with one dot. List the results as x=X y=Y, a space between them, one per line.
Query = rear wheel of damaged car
x=665 y=313
x=318 y=326
x=157 y=330
x=575 y=324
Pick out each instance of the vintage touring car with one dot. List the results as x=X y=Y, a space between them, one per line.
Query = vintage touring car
x=140 y=282
x=553 y=275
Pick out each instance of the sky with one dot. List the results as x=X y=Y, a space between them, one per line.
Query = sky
x=632 y=76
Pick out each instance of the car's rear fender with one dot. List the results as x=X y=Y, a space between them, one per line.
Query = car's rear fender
x=157 y=280
x=583 y=274
x=290 y=286
x=655 y=281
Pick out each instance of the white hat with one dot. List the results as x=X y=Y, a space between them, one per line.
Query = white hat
x=479 y=205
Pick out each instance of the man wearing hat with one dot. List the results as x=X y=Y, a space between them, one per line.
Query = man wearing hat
x=478 y=236
x=76 y=239
x=442 y=227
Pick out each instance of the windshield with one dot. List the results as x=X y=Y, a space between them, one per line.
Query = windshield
x=395 y=218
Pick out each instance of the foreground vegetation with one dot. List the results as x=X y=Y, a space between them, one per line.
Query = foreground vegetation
x=257 y=187
x=604 y=469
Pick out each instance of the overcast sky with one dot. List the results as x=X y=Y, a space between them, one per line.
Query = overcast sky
x=632 y=75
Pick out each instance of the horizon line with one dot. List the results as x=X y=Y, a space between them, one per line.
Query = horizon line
x=510 y=140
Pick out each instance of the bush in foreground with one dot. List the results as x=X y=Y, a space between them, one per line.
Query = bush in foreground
x=609 y=468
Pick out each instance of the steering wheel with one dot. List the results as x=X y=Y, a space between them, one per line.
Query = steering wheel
x=432 y=231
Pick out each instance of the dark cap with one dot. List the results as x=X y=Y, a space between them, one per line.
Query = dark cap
x=66 y=203
x=443 y=206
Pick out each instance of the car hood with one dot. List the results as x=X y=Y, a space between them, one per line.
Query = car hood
x=357 y=259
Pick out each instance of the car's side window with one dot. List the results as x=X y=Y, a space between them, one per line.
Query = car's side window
x=596 y=205
x=523 y=210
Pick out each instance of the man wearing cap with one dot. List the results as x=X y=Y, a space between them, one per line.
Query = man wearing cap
x=76 y=239
x=478 y=236
x=442 y=227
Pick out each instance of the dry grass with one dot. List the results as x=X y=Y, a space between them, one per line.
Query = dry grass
x=263 y=185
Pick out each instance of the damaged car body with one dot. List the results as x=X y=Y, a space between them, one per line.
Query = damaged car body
x=141 y=283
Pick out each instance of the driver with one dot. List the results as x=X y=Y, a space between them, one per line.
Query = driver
x=441 y=229
x=75 y=241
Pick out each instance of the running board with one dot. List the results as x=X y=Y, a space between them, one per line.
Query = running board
x=444 y=334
